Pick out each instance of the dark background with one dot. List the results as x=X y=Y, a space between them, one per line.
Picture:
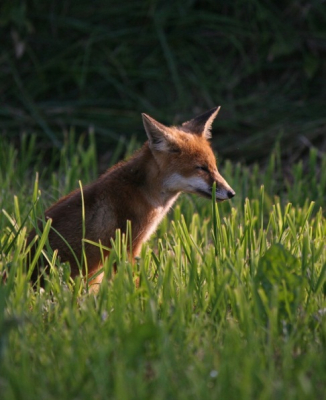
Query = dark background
x=99 y=64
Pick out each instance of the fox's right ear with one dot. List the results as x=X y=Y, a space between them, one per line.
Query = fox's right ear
x=202 y=124
x=159 y=135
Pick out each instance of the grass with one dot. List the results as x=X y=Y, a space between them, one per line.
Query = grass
x=73 y=64
x=230 y=302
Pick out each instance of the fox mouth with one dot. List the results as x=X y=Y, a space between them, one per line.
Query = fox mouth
x=208 y=195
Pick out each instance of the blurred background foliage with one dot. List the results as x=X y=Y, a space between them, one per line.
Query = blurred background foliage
x=97 y=65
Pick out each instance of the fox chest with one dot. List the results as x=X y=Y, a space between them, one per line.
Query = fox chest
x=153 y=219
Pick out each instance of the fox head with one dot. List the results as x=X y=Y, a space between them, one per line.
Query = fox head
x=185 y=157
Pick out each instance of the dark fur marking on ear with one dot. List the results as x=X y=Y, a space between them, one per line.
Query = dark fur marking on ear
x=174 y=149
x=156 y=140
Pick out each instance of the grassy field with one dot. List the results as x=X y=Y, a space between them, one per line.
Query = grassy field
x=230 y=304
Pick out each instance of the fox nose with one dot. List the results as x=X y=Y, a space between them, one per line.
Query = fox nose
x=231 y=193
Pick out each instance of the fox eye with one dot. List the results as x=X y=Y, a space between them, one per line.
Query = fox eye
x=202 y=168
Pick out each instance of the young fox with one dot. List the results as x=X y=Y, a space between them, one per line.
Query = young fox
x=142 y=190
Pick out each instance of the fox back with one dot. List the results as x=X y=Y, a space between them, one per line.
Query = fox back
x=141 y=190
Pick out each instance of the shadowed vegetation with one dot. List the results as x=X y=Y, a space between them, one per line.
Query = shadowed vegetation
x=98 y=65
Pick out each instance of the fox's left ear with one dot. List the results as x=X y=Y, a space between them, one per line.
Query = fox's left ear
x=159 y=135
x=202 y=124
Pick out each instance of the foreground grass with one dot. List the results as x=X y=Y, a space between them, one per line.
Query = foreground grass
x=230 y=301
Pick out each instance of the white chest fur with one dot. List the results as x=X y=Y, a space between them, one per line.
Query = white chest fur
x=156 y=217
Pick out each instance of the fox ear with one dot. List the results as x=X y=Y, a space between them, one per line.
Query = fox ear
x=159 y=137
x=202 y=124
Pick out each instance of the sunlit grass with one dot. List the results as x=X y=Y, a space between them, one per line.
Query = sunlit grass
x=226 y=301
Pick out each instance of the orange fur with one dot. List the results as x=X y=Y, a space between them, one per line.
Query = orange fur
x=142 y=190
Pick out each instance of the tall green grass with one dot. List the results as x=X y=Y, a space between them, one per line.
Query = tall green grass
x=226 y=301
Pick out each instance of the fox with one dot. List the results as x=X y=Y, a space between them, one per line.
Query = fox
x=142 y=190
